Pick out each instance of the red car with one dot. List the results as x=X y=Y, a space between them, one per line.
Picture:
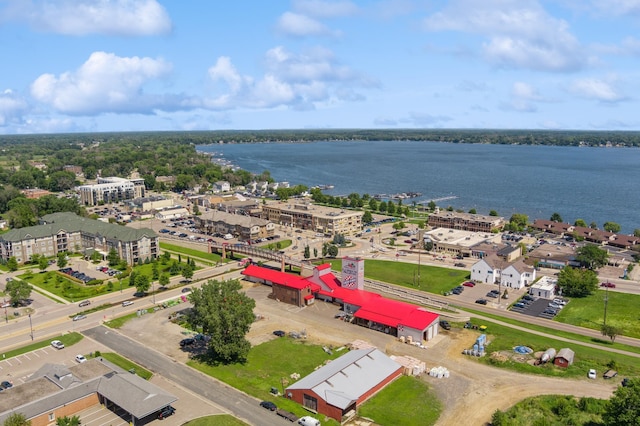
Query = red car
x=469 y=284
x=610 y=285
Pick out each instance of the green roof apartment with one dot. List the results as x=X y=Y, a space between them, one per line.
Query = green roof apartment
x=67 y=232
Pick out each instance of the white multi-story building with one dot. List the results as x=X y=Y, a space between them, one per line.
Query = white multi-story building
x=111 y=190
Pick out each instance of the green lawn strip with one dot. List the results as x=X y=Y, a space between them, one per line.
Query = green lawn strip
x=504 y=338
x=406 y=401
x=605 y=342
x=125 y=364
x=588 y=312
x=433 y=279
x=219 y=420
x=278 y=245
x=212 y=257
x=57 y=283
x=120 y=321
x=68 y=340
x=268 y=364
x=555 y=410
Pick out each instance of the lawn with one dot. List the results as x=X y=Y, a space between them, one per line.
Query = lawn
x=271 y=365
x=125 y=364
x=57 y=283
x=504 y=338
x=219 y=420
x=120 y=321
x=588 y=312
x=196 y=254
x=407 y=401
x=68 y=340
x=433 y=279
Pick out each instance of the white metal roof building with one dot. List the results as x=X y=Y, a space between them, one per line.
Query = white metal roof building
x=336 y=389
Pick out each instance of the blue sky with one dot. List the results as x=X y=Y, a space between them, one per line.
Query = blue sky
x=130 y=65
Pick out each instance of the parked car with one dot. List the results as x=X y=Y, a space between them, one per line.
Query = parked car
x=459 y=265
x=57 y=344
x=481 y=301
x=608 y=285
x=6 y=385
x=127 y=303
x=279 y=333
x=492 y=294
x=469 y=284
x=84 y=303
x=186 y=290
x=592 y=373
x=166 y=412
x=79 y=317
x=555 y=306
x=445 y=324
x=269 y=405
x=80 y=359
x=519 y=305
x=308 y=421
x=187 y=342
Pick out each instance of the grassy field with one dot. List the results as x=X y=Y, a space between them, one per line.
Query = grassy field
x=503 y=338
x=433 y=279
x=120 y=321
x=125 y=364
x=213 y=258
x=407 y=401
x=553 y=410
x=588 y=312
x=271 y=365
x=219 y=420
x=58 y=284
x=68 y=340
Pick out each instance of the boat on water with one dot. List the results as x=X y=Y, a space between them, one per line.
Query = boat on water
x=323 y=187
x=398 y=196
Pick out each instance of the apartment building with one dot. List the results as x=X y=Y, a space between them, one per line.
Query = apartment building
x=326 y=220
x=111 y=190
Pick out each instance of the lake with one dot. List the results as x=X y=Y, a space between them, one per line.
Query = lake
x=594 y=184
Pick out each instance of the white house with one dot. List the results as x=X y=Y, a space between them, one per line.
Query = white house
x=487 y=270
x=545 y=287
x=517 y=275
x=221 y=186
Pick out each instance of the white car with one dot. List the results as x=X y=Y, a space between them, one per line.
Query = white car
x=81 y=359
x=591 y=374
x=57 y=344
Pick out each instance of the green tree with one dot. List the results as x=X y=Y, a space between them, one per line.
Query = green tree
x=518 y=222
x=592 y=256
x=612 y=227
x=43 y=263
x=332 y=250
x=18 y=290
x=315 y=252
x=610 y=331
x=580 y=222
x=636 y=232
x=307 y=252
x=225 y=313
x=556 y=217
x=62 y=260
x=12 y=264
x=373 y=204
x=132 y=277
x=593 y=225
x=68 y=421
x=473 y=211
x=577 y=282
x=96 y=256
x=367 y=217
x=174 y=268
x=493 y=213
x=16 y=419
x=142 y=283
x=428 y=245
x=155 y=271
x=382 y=207
x=187 y=271
x=113 y=258
x=432 y=205
x=391 y=208
x=623 y=408
x=164 y=280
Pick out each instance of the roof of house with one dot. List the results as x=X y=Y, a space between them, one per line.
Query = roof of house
x=567 y=354
x=277 y=277
x=55 y=223
x=520 y=266
x=344 y=380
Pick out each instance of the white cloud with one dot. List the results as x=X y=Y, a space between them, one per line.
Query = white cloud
x=295 y=24
x=518 y=33
x=616 y=7
x=105 y=83
x=11 y=107
x=82 y=17
x=325 y=9
x=420 y=119
x=596 y=89
x=298 y=81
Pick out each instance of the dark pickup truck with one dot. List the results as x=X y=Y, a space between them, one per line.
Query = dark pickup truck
x=287 y=415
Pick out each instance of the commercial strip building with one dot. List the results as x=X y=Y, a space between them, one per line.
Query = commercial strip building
x=67 y=232
x=56 y=391
x=465 y=221
x=246 y=228
x=308 y=216
x=595 y=236
x=368 y=309
x=111 y=190
x=337 y=389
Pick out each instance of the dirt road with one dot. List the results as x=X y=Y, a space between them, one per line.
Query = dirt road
x=472 y=392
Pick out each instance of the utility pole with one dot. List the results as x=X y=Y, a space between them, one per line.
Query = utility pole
x=31 y=327
x=606 y=299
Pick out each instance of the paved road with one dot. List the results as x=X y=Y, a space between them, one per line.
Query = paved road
x=237 y=403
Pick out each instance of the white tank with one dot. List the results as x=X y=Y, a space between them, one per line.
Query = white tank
x=548 y=355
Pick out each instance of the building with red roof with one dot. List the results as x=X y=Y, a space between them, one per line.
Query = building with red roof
x=367 y=308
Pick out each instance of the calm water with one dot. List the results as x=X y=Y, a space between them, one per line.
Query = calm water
x=594 y=184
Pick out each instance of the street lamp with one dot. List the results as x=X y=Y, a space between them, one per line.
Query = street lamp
x=606 y=299
x=120 y=280
x=31 y=326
